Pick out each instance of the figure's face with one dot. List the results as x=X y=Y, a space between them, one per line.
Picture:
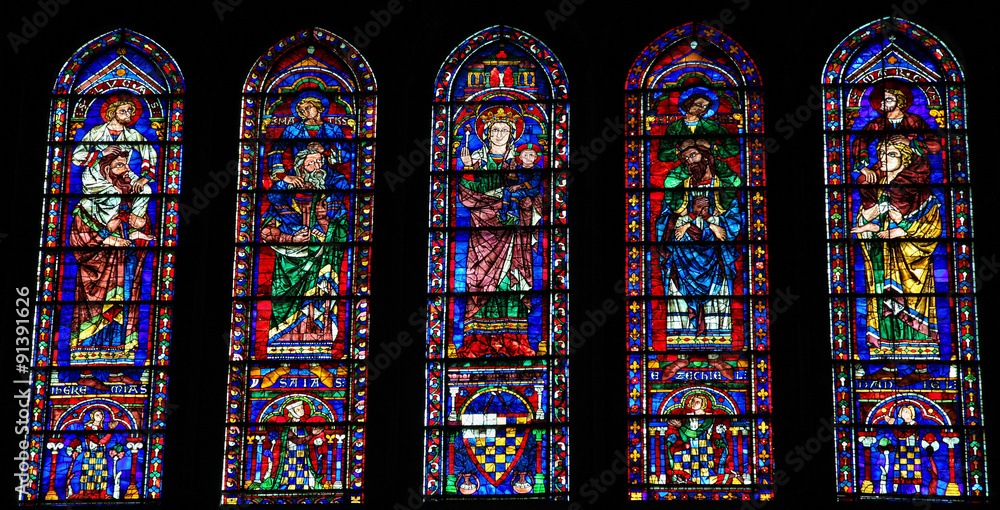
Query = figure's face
x=697 y=403
x=906 y=414
x=308 y=111
x=890 y=159
x=123 y=114
x=313 y=162
x=119 y=167
x=699 y=107
x=296 y=410
x=690 y=155
x=528 y=157
x=888 y=103
x=499 y=134
x=98 y=415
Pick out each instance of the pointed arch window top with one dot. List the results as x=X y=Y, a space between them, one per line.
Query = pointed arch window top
x=153 y=72
x=352 y=68
x=890 y=40
x=512 y=47
x=665 y=49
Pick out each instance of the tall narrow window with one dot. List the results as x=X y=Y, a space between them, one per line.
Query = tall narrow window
x=106 y=280
x=902 y=301
x=699 y=387
x=496 y=419
x=297 y=397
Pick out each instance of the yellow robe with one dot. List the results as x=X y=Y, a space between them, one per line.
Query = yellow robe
x=899 y=276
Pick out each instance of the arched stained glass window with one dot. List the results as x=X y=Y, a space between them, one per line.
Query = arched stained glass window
x=496 y=419
x=105 y=286
x=902 y=300
x=698 y=347
x=297 y=395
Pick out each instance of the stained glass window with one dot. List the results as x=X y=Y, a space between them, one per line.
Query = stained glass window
x=496 y=419
x=297 y=394
x=902 y=301
x=105 y=283
x=696 y=252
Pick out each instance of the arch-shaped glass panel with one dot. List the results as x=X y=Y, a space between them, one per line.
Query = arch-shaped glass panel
x=696 y=254
x=902 y=298
x=297 y=382
x=497 y=360
x=103 y=322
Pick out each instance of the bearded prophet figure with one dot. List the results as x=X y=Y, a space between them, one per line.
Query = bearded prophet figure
x=499 y=263
x=895 y=121
x=107 y=228
x=309 y=108
x=699 y=211
x=302 y=322
x=899 y=275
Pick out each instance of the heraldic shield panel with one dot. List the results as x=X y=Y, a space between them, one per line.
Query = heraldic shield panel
x=696 y=256
x=106 y=275
x=902 y=298
x=496 y=418
x=296 y=401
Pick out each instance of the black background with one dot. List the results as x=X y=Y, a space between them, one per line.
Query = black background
x=215 y=45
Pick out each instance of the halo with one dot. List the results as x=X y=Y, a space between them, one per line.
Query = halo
x=679 y=397
x=699 y=90
x=533 y=146
x=922 y=405
x=504 y=112
x=307 y=94
x=878 y=92
x=112 y=410
x=122 y=96
x=707 y=398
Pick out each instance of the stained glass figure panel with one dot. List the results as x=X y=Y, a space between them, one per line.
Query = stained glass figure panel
x=496 y=423
x=696 y=252
x=105 y=288
x=902 y=302
x=297 y=388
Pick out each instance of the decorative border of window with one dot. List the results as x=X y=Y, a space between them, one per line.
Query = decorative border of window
x=302 y=380
x=898 y=407
x=519 y=80
x=99 y=397
x=744 y=440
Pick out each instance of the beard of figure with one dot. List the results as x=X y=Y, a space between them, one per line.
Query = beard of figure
x=700 y=169
x=122 y=182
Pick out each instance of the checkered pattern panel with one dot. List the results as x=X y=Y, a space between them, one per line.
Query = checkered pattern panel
x=907 y=465
x=95 y=471
x=697 y=459
x=297 y=473
x=495 y=454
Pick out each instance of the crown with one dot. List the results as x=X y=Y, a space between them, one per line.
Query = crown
x=501 y=113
